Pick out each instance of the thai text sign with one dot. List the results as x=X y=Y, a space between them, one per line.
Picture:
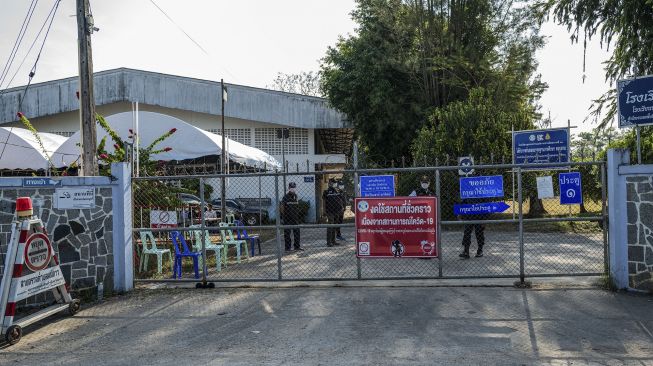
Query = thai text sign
x=400 y=227
x=481 y=187
x=571 y=192
x=35 y=283
x=70 y=198
x=541 y=146
x=377 y=186
x=635 y=101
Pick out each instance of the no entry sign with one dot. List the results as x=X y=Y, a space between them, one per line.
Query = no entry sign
x=38 y=252
x=399 y=227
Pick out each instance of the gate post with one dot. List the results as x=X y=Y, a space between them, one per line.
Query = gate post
x=278 y=223
x=359 y=270
x=438 y=224
x=521 y=227
x=123 y=261
x=617 y=217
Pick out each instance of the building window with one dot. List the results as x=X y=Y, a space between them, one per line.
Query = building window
x=242 y=135
x=266 y=140
x=62 y=133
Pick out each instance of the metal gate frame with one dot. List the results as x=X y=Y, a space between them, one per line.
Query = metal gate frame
x=436 y=171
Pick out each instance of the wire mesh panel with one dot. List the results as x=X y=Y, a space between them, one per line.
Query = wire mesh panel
x=299 y=225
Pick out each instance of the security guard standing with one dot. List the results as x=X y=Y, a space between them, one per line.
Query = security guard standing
x=341 y=216
x=332 y=208
x=423 y=190
x=290 y=216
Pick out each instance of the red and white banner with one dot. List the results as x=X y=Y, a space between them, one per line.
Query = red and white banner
x=398 y=227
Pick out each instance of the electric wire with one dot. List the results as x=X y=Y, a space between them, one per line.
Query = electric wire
x=19 y=40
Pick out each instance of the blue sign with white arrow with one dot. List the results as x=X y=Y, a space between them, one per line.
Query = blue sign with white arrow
x=480 y=208
x=635 y=101
x=481 y=187
x=377 y=186
x=41 y=182
x=571 y=192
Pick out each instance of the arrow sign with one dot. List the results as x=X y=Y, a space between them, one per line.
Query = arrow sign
x=40 y=182
x=480 y=208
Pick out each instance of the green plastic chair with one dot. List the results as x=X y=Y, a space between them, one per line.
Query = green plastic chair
x=218 y=249
x=228 y=239
x=151 y=249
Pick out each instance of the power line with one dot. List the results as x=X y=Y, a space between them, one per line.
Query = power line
x=19 y=40
x=51 y=14
x=38 y=56
x=189 y=37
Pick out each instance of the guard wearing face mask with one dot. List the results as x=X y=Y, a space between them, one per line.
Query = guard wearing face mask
x=332 y=208
x=290 y=216
x=341 y=216
x=423 y=190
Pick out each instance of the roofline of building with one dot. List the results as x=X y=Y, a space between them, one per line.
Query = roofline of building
x=172 y=91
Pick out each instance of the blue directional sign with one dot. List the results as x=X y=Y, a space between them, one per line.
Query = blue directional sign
x=541 y=146
x=571 y=192
x=41 y=182
x=481 y=187
x=635 y=101
x=480 y=208
x=377 y=186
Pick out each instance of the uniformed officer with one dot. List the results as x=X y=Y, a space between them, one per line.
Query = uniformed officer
x=479 y=232
x=332 y=208
x=290 y=216
x=341 y=216
x=423 y=190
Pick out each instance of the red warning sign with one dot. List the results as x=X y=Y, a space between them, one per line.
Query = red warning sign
x=399 y=227
x=38 y=252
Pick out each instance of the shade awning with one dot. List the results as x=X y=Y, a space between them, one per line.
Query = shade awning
x=19 y=149
x=188 y=142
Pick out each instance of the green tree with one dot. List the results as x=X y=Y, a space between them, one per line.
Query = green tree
x=411 y=57
x=624 y=25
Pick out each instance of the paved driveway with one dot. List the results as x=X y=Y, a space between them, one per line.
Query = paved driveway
x=349 y=326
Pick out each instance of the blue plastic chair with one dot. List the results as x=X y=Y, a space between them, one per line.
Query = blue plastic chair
x=241 y=234
x=177 y=238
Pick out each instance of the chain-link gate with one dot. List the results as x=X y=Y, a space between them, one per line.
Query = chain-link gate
x=246 y=237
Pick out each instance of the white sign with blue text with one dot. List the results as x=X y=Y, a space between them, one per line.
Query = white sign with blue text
x=71 y=198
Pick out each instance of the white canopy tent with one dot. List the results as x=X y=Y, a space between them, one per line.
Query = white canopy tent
x=188 y=142
x=19 y=149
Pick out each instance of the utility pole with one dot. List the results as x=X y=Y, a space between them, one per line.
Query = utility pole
x=85 y=27
x=223 y=157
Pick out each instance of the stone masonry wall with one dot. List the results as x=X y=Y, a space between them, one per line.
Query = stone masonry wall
x=82 y=239
x=639 y=198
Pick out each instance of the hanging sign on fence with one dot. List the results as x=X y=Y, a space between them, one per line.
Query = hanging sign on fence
x=400 y=227
x=635 y=101
x=377 y=186
x=571 y=192
x=480 y=208
x=544 y=187
x=541 y=146
x=163 y=219
x=481 y=187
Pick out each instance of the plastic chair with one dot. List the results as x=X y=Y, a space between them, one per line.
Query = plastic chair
x=208 y=245
x=228 y=239
x=241 y=233
x=177 y=237
x=230 y=218
x=150 y=248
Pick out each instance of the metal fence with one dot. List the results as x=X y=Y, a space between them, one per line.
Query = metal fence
x=532 y=238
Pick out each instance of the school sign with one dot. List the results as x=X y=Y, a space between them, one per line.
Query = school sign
x=635 y=101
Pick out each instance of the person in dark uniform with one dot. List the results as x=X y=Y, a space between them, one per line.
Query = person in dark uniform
x=479 y=231
x=332 y=208
x=290 y=216
x=423 y=190
x=341 y=216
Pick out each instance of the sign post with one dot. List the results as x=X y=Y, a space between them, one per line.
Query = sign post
x=399 y=227
x=31 y=267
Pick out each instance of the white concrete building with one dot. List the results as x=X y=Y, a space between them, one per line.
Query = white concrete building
x=320 y=138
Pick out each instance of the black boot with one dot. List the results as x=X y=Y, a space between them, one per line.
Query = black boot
x=464 y=254
x=479 y=253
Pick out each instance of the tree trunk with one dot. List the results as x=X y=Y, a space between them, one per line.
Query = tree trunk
x=536 y=207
